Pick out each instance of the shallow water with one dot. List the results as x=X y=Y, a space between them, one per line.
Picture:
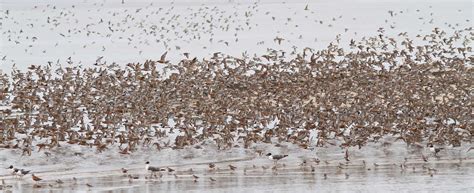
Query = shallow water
x=450 y=176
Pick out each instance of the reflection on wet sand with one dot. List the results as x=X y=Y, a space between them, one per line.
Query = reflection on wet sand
x=437 y=175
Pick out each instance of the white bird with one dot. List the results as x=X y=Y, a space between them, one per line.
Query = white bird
x=275 y=157
x=435 y=150
x=152 y=168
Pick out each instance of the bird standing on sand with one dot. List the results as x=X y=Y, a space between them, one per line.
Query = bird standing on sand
x=435 y=150
x=276 y=158
x=13 y=170
x=35 y=178
x=152 y=168
x=23 y=172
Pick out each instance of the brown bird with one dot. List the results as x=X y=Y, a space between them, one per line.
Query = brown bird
x=124 y=171
x=212 y=166
x=195 y=178
x=163 y=59
x=346 y=156
x=35 y=178
x=232 y=167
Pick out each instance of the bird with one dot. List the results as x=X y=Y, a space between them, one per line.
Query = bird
x=152 y=168
x=133 y=177
x=212 y=166
x=59 y=181
x=232 y=167
x=212 y=179
x=195 y=178
x=435 y=150
x=276 y=158
x=163 y=58
x=35 y=178
x=346 y=156
x=23 y=172
x=89 y=185
x=124 y=171
x=13 y=170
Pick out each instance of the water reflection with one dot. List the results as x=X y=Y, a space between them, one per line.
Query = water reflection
x=448 y=176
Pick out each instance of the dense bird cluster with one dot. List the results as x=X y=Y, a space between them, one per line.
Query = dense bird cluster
x=419 y=91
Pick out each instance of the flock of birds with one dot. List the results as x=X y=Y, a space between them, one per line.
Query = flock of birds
x=417 y=90
x=45 y=29
x=417 y=93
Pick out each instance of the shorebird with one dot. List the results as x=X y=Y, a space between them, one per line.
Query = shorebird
x=124 y=171
x=14 y=171
x=22 y=172
x=195 y=178
x=152 y=168
x=435 y=150
x=212 y=166
x=275 y=158
x=232 y=167
x=35 y=178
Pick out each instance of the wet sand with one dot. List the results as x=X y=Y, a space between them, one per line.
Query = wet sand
x=437 y=175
